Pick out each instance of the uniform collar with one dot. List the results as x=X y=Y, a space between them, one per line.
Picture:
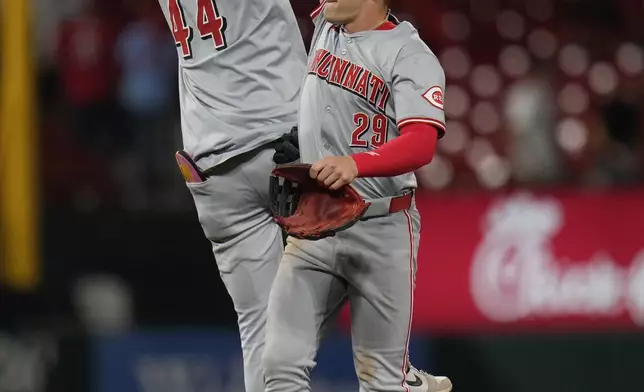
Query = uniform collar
x=389 y=24
x=386 y=25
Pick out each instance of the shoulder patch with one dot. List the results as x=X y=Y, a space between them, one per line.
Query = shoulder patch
x=435 y=97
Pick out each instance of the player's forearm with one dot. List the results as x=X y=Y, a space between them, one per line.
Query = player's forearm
x=413 y=149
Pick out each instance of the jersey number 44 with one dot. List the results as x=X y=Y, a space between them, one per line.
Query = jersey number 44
x=210 y=24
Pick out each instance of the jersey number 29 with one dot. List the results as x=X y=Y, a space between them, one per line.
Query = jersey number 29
x=210 y=23
x=363 y=122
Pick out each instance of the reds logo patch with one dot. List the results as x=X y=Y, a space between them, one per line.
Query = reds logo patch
x=434 y=96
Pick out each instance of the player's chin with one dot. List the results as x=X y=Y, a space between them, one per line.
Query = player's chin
x=333 y=15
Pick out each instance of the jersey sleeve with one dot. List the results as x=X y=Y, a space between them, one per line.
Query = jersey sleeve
x=317 y=16
x=418 y=90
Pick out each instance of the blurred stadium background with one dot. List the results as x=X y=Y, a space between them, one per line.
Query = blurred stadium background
x=531 y=274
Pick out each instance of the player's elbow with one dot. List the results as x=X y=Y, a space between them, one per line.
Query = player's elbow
x=428 y=157
x=423 y=159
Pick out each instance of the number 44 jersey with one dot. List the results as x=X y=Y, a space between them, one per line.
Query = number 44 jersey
x=241 y=68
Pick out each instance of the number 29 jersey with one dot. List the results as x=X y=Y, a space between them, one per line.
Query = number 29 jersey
x=241 y=65
x=361 y=88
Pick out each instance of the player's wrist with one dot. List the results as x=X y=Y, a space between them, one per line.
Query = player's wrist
x=360 y=160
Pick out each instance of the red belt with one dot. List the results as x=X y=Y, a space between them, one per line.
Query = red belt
x=401 y=203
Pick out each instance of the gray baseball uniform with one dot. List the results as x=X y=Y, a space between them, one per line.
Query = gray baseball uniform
x=241 y=67
x=242 y=64
x=360 y=89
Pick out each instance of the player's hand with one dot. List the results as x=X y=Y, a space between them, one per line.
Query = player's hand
x=334 y=172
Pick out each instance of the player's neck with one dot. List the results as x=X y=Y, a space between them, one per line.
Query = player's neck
x=368 y=20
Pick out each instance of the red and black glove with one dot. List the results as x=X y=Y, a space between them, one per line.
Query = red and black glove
x=307 y=210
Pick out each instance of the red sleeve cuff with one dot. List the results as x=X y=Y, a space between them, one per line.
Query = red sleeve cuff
x=439 y=125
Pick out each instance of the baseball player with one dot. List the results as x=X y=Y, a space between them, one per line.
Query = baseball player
x=241 y=68
x=371 y=112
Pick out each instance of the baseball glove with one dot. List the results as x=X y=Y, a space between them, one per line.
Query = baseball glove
x=307 y=210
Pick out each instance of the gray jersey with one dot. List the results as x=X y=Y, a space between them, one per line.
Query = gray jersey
x=241 y=69
x=361 y=88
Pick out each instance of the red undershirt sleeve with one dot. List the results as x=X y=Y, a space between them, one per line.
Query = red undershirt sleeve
x=413 y=149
